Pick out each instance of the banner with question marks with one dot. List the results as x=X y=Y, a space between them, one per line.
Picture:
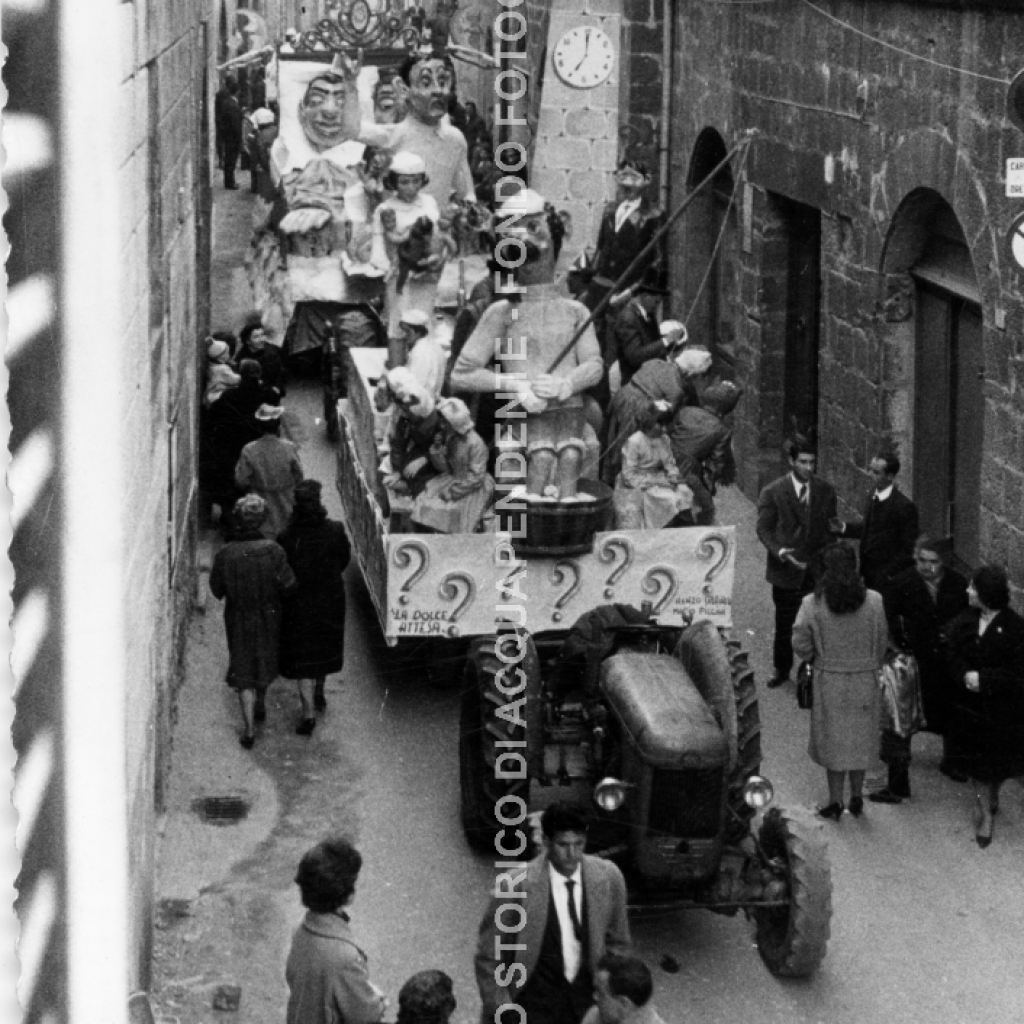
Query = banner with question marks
x=450 y=586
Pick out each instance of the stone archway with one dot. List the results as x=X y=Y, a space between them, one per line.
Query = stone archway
x=709 y=263
x=933 y=337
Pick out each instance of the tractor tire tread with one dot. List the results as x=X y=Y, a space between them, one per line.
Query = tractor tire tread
x=801 y=950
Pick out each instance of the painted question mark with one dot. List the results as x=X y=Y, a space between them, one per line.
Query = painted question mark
x=448 y=590
x=558 y=577
x=607 y=554
x=650 y=585
x=707 y=549
x=403 y=559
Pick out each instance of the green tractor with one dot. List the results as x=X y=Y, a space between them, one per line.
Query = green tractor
x=660 y=728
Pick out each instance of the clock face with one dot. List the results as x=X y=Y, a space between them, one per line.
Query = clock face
x=584 y=57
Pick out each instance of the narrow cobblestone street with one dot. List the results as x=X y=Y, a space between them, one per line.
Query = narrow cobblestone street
x=925 y=925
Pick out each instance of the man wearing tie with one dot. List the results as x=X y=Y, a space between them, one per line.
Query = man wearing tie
x=793 y=516
x=889 y=527
x=548 y=925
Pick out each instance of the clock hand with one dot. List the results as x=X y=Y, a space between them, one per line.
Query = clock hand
x=586 y=50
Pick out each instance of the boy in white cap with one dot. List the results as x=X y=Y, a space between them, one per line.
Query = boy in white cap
x=527 y=340
x=394 y=222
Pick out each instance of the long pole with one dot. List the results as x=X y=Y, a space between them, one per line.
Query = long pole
x=647 y=249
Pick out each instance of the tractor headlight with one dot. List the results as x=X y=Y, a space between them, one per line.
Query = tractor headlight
x=758 y=792
x=610 y=794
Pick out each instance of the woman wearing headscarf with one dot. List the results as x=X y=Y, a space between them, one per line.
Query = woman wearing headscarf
x=985 y=647
x=676 y=379
x=649 y=493
x=270 y=467
x=252 y=576
x=841 y=630
x=414 y=429
x=457 y=499
x=313 y=632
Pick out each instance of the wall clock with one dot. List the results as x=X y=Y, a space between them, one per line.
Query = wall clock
x=584 y=57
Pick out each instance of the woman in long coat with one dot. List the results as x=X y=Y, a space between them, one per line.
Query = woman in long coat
x=841 y=630
x=251 y=574
x=271 y=468
x=672 y=379
x=313 y=634
x=985 y=648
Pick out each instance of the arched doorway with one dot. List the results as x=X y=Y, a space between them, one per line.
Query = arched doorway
x=944 y=396
x=710 y=256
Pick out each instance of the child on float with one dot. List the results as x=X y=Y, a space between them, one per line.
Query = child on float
x=459 y=499
x=394 y=220
x=649 y=493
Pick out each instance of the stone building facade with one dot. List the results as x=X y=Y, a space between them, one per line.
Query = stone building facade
x=110 y=223
x=166 y=199
x=850 y=268
x=850 y=265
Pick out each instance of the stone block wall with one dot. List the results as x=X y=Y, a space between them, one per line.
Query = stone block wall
x=575 y=150
x=852 y=127
x=640 y=85
x=161 y=146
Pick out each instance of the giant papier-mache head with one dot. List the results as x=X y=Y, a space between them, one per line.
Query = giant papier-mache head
x=430 y=79
x=539 y=230
x=322 y=110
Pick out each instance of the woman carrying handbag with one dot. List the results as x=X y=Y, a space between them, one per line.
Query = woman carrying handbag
x=841 y=629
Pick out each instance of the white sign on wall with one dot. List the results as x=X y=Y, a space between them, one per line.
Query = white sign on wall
x=1015 y=178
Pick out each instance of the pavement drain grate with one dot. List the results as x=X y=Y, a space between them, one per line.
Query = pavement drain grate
x=221 y=810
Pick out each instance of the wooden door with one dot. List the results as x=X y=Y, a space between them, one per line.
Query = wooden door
x=803 y=301
x=949 y=419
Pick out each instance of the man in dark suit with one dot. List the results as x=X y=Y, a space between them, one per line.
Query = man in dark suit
x=540 y=952
x=229 y=127
x=636 y=333
x=888 y=529
x=918 y=603
x=793 y=516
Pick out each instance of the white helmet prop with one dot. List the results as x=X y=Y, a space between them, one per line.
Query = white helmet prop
x=524 y=216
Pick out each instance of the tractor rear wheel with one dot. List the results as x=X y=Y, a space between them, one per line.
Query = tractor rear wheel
x=495 y=723
x=792 y=939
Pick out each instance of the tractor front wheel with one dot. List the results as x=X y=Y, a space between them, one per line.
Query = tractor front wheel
x=500 y=722
x=792 y=939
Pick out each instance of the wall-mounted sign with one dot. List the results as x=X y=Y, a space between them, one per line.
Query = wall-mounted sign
x=1015 y=177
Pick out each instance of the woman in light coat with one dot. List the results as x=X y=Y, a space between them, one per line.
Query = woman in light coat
x=841 y=630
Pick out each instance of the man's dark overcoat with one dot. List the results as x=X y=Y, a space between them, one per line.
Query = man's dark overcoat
x=887 y=534
x=251 y=575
